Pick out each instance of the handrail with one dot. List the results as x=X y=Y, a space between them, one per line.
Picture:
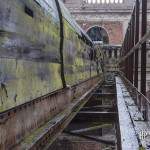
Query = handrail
x=141 y=100
x=135 y=48
x=147 y=100
x=136 y=40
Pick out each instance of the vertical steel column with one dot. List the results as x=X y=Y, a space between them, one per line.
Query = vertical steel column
x=143 y=47
x=132 y=44
x=125 y=52
x=121 y=54
x=136 y=62
x=129 y=46
x=127 y=59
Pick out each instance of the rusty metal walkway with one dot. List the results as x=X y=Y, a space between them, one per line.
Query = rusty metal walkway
x=134 y=130
x=113 y=105
x=86 y=110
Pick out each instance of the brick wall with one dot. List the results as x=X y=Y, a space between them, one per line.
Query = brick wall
x=112 y=17
x=113 y=28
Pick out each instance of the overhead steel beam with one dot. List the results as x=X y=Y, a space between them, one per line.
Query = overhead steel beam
x=132 y=45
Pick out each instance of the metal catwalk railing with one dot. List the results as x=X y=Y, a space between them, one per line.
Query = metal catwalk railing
x=135 y=41
x=134 y=53
x=140 y=100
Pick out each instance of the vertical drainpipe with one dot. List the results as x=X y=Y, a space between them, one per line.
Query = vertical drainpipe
x=61 y=42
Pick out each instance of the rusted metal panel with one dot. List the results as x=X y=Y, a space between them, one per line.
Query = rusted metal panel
x=30 y=57
x=31 y=115
x=78 y=65
x=31 y=67
x=29 y=52
x=45 y=135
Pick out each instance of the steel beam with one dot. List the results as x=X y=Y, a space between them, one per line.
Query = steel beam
x=99 y=108
x=143 y=47
x=91 y=128
x=129 y=47
x=137 y=46
x=136 y=56
x=96 y=139
x=95 y=117
x=132 y=43
x=55 y=110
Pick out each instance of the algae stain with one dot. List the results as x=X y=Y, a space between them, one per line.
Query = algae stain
x=3 y=87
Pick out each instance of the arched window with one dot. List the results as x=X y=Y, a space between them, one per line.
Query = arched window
x=97 y=33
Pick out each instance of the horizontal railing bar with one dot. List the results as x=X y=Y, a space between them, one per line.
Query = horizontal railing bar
x=145 y=37
x=147 y=100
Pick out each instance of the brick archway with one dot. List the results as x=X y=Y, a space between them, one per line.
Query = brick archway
x=114 y=29
x=98 y=33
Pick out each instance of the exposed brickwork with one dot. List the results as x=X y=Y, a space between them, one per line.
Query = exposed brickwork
x=113 y=17
x=114 y=29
